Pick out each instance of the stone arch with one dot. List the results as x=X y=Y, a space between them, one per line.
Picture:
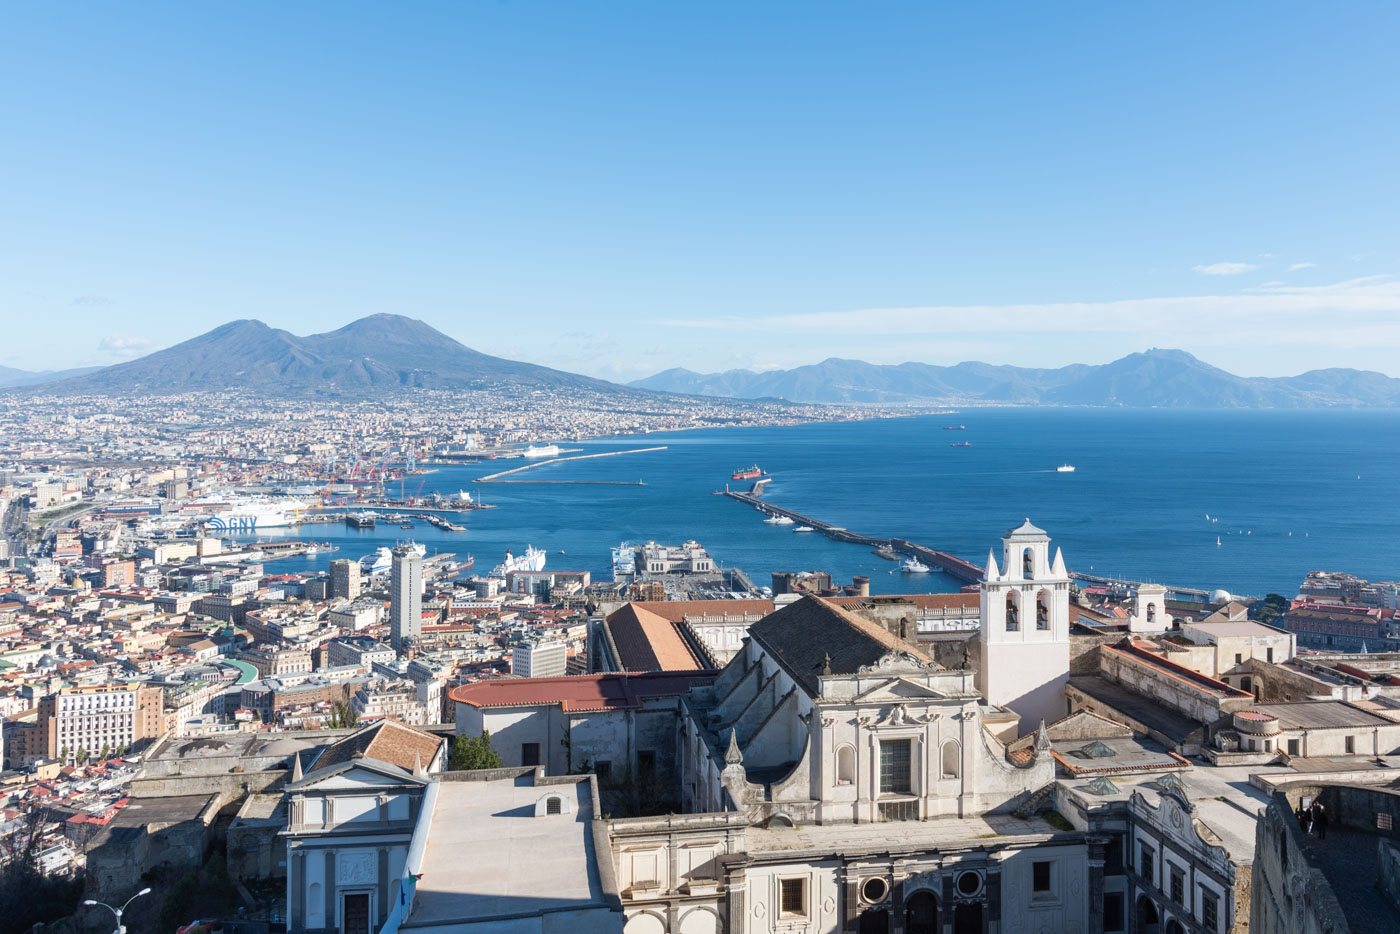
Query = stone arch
x=701 y=920
x=1013 y=621
x=1174 y=927
x=646 y=922
x=845 y=764
x=952 y=759
x=1151 y=612
x=1042 y=609
x=1148 y=918
x=921 y=913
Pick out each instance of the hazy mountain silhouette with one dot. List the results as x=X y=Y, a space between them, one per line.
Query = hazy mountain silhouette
x=379 y=353
x=1169 y=378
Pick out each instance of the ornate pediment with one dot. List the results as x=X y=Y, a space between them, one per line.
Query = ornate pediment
x=898 y=689
x=896 y=660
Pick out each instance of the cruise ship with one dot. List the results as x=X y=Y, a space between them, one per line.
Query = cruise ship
x=249 y=515
x=381 y=560
x=624 y=563
x=531 y=560
x=542 y=450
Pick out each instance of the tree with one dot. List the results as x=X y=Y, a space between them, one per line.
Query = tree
x=342 y=716
x=473 y=752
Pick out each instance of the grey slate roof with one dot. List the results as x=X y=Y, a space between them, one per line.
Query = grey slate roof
x=801 y=635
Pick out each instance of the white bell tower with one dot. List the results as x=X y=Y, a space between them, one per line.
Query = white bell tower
x=1024 y=639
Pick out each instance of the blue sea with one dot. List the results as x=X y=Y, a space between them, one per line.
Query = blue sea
x=1288 y=492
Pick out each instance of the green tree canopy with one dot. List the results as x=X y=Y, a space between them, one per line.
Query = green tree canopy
x=473 y=752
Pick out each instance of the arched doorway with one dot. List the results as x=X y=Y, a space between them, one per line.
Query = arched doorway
x=875 y=921
x=1147 y=917
x=921 y=914
x=967 y=918
x=1174 y=927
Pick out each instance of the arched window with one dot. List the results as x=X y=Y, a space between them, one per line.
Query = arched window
x=1152 y=612
x=845 y=765
x=1027 y=563
x=921 y=914
x=1012 y=623
x=1042 y=611
x=952 y=759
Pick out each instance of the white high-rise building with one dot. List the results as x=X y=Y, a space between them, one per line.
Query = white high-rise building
x=406 y=597
x=1024 y=639
x=546 y=658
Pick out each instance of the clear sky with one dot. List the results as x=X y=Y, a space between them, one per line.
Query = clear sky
x=618 y=188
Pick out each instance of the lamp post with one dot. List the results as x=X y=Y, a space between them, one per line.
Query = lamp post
x=118 y=911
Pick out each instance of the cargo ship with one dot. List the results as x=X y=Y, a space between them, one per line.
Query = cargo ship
x=361 y=520
x=747 y=473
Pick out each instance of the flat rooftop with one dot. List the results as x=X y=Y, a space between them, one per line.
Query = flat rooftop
x=489 y=857
x=895 y=836
x=1321 y=715
x=1227 y=630
x=1113 y=696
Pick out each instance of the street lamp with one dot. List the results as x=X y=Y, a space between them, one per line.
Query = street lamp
x=118 y=911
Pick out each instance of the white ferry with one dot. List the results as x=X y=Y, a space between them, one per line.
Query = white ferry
x=542 y=450
x=248 y=515
x=624 y=562
x=531 y=560
x=1065 y=468
x=381 y=560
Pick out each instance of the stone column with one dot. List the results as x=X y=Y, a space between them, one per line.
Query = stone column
x=1095 y=887
x=947 y=908
x=296 y=886
x=331 y=921
x=897 y=900
x=384 y=885
x=992 y=922
x=738 y=904
x=851 y=910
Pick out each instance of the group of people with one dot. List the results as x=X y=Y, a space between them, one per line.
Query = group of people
x=1314 y=819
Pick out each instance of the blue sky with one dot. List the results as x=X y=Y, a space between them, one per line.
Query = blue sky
x=617 y=188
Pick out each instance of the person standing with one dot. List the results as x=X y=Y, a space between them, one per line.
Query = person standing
x=1320 y=820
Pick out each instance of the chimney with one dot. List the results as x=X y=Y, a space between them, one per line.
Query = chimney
x=862 y=585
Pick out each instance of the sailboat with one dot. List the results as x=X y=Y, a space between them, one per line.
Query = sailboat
x=1217 y=541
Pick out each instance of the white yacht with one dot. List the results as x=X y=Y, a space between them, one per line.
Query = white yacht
x=913 y=566
x=804 y=528
x=1065 y=468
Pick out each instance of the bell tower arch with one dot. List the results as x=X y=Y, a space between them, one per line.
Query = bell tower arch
x=1024 y=636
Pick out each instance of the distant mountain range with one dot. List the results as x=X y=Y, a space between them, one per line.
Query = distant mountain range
x=1166 y=378
x=9 y=376
x=378 y=354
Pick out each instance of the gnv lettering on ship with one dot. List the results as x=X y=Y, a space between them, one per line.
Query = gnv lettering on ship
x=235 y=524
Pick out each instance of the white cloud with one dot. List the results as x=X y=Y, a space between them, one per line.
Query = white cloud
x=1297 y=266
x=124 y=346
x=1225 y=269
x=1356 y=315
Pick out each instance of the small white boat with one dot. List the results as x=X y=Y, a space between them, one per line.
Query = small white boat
x=1217 y=541
x=1065 y=468
x=773 y=520
x=914 y=566
x=804 y=528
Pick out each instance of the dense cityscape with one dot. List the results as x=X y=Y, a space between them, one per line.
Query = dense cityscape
x=171 y=701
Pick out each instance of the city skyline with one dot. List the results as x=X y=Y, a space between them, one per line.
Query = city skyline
x=637 y=184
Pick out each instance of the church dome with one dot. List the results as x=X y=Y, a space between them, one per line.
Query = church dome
x=1220 y=596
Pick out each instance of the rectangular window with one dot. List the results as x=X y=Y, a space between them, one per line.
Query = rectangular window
x=603 y=769
x=529 y=753
x=1040 y=876
x=895 y=767
x=1210 y=910
x=1269 y=655
x=1145 y=861
x=646 y=761
x=1384 y=821
x=794 y=898
x=1293 y=745
x=1113 y=912
x=1176 y=885
x=1351 y=745
x=1239 y=659
x=1113 y=856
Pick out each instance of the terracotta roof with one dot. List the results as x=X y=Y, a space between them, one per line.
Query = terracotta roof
x=648 y=642
x=611 y=691
x=803 y=635
x=386 y=740
x=924 y=601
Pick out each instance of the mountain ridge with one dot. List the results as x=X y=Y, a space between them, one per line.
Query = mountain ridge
x=380 y=353
x=1152 y=378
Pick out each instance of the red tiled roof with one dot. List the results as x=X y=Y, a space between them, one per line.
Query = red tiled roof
x=611 y=691
x=648 y=642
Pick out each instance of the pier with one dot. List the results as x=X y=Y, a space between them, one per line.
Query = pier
x=495 y=477
x=956 y=567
